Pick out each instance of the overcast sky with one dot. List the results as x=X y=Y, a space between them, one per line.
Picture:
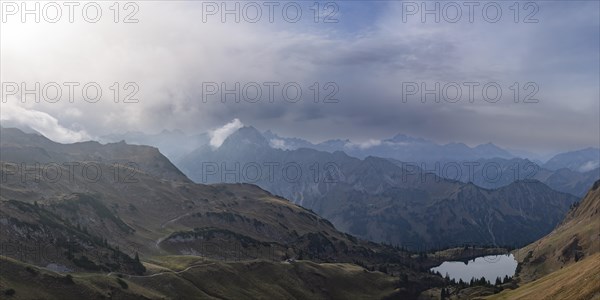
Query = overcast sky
x=370 y=57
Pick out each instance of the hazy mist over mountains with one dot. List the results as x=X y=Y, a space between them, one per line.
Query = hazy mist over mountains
x=399 y=147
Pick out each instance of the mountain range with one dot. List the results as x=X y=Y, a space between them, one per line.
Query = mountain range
x=401 y=147
x=494 y=173
x=175 y=145
x=155 y=234
x=383 y=201
x=121 y=221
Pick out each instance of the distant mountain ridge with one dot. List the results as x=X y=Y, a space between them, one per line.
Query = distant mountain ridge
x=415 y=149
x=381 y=201
x=401 y=147
x=175 y=144
x=583 y=160
x=498 y=172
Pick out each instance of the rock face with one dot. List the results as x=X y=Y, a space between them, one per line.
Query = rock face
x=381 y=200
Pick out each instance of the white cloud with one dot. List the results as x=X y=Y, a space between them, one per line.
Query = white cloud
x=278 y=144
x=218 y=136
x=364 y=145
x=171 y=52
x=397 y=144
x=40 y=122
x=590 y=165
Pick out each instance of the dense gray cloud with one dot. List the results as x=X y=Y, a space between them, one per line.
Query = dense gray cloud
x=171 y=52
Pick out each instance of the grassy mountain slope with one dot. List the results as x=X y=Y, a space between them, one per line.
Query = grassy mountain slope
x=197 y=278
x=578 y=281
x=577 y=237
x=564 y=264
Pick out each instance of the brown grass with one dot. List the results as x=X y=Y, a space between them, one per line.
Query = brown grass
x=579 y=281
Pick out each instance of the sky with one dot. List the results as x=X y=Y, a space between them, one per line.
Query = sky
x=366 y=70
